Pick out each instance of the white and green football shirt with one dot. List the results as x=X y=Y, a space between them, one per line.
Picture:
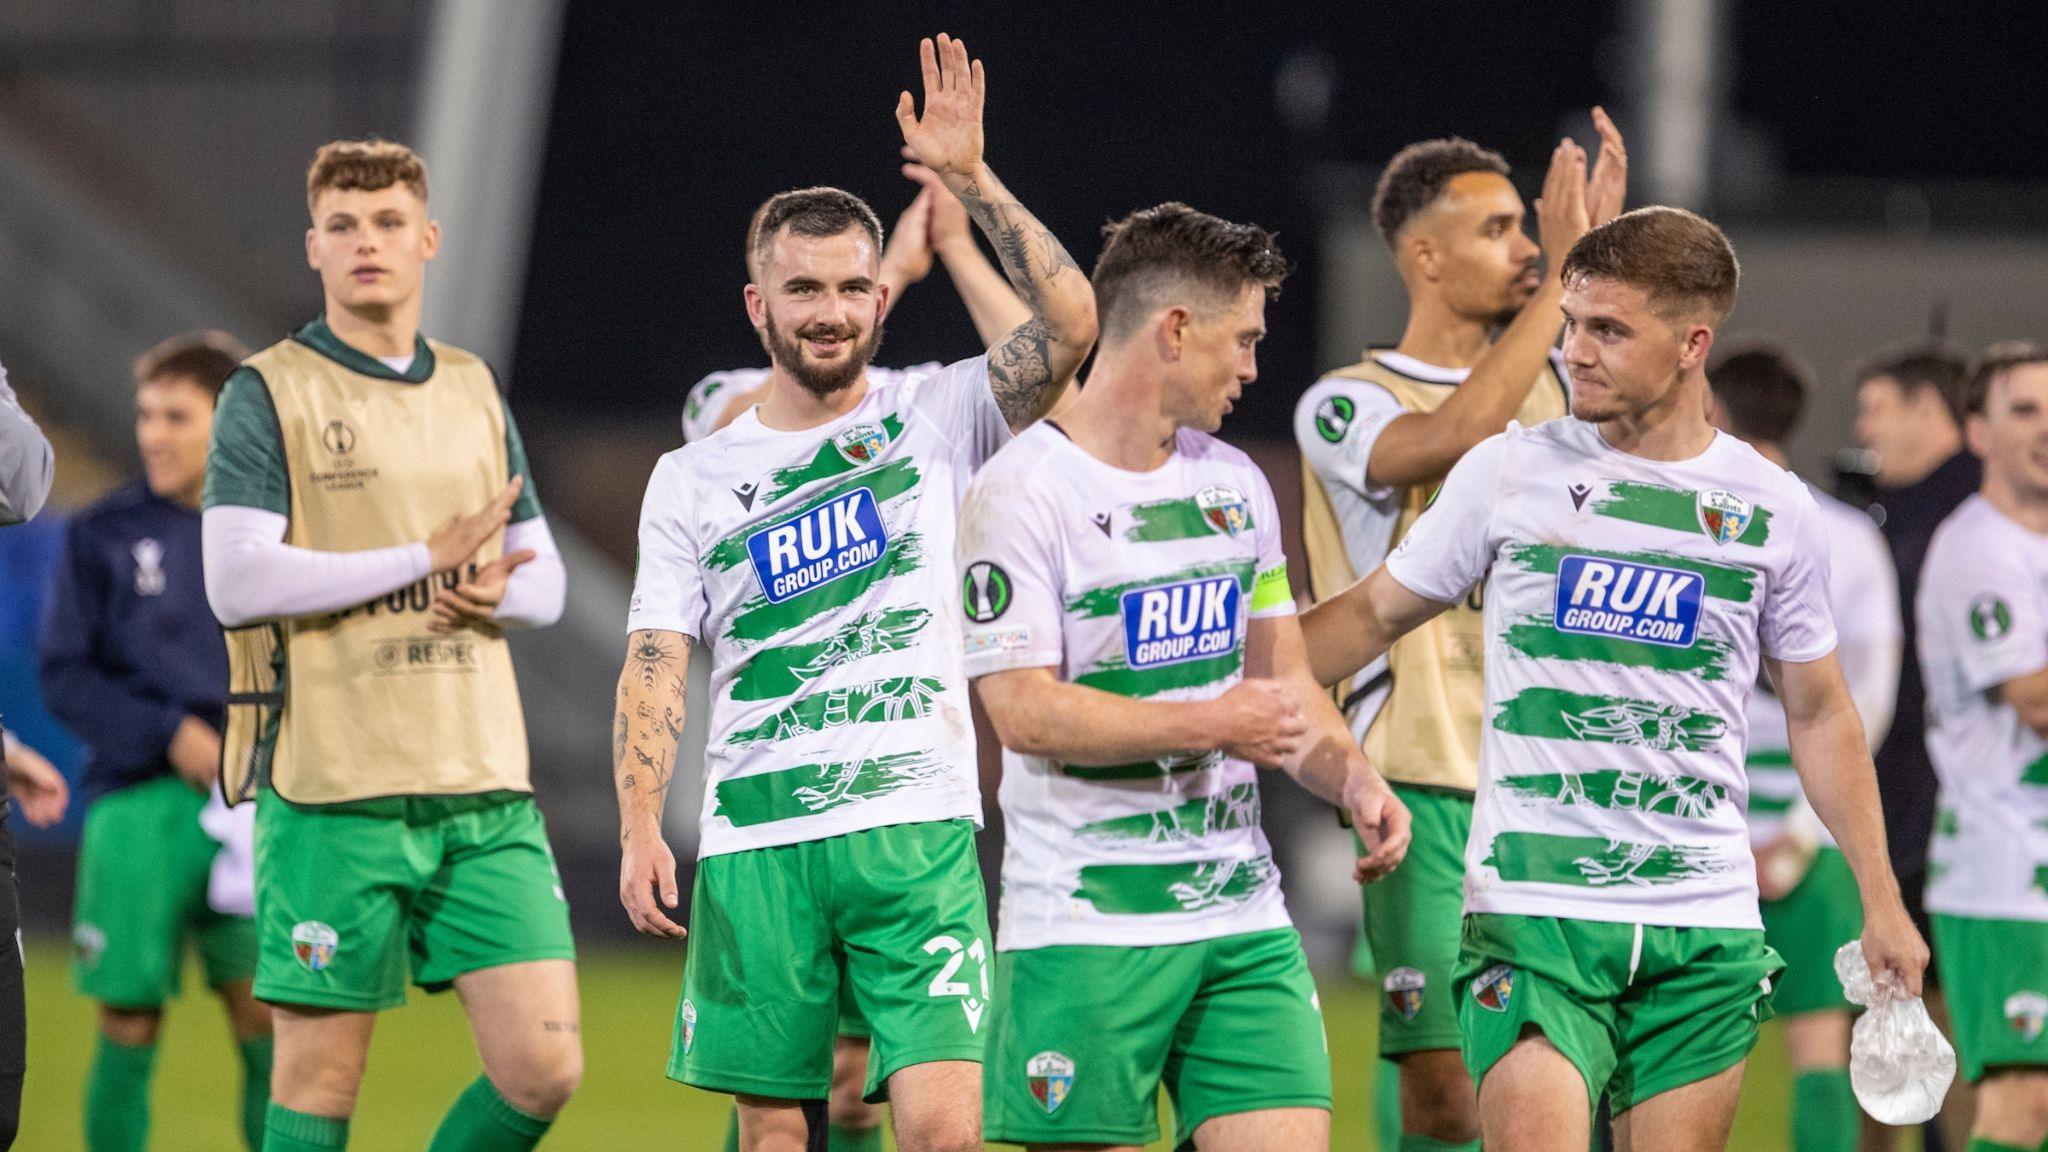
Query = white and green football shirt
x=1863 y=591
x=816 y=565
x=1142 y=584
x=1983 y=620
x=1627 y=604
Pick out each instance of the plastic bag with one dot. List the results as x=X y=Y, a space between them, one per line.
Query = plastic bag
x=1899 y=1063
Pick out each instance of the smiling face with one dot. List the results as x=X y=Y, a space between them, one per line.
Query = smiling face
x=1470 y=245
x=1624 y=357
x=371 y=248
x=173 y=421
x=1218 y=357
x=818 y=306
x=2011 y=433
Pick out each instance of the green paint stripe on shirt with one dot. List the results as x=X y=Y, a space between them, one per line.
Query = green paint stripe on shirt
x=759 y=620
x=1104 y=601
x=1194 y=886
x=1763 y=804
x=772 y=673
x=829 y=461
x=1946 y=823
x=1769 y=758
x=1146 y=770
x=1673 y=508
x=1234 y=808
x=1595 y=861
x=1688 y=797
x=2041 y=879
x=1179 y=519
x=1555 y=714
x=1724 y=581
x=1164 y=678
x=886 y=482
x=878 y=702
x=813 y=788
x=2036 y=773
x=1534 y=637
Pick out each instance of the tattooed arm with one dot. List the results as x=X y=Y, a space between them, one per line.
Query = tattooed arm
x=1028 y=369
x=645 y=728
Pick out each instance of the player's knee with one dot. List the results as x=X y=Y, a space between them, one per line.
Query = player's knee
x=1442 y=1109
x=543 y=1086
x=958 y=1131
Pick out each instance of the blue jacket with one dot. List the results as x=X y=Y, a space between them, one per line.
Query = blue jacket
x=129 y=646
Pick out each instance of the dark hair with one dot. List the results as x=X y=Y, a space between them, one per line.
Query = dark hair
x=204 y=358
x=1175 y=249
x=1996 y=361
x=815 y=212
x=1918 y=366
x=1417 y=174
x=1764 y=388
x=1680 y=259
x=370 y=165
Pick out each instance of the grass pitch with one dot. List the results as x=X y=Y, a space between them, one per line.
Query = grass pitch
x=422 y=1057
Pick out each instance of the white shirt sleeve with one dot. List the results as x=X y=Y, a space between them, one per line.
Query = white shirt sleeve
x=252 y=574
x=1271 y=595
x=668 y=583
x=27 y=464
x=537 y=590
x=958 y=398
x=710 y=397
x=1336 y=423
x=1798 y=621
x=1451 y=544
x=1012 y=568
x=1990 y=604
x=1871 y=637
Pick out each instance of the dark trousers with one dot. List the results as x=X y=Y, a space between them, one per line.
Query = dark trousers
x=13 y=1006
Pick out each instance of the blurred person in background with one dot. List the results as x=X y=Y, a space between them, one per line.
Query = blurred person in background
x=935 y=226
x=1808 y=893
x=27 y=466
x=1376 y=439
x=1983 y=618
x=371 y=532
x=1908 y=420
x=132 y=661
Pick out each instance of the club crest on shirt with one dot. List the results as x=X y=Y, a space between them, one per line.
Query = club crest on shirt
x=88 y=944
x=1724 y=516
x=2025 y=1014
x=1404 y=987
x=149 y=567
x=689 y=1016
x=861 y=443
x=1051 y=1077
x=314 y=944
x=1224 y=508
x=1495 y=988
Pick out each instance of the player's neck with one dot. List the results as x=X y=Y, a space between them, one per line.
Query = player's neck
x=1120 y=419
x=1674 y=428
x=2029 y=511
x=380 y=332
x=1438 y=336
x=787 y=406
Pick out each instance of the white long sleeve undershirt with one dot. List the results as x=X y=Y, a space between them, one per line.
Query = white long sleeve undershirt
x=252 y=574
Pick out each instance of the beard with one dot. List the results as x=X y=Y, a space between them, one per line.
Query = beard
x=822 y=380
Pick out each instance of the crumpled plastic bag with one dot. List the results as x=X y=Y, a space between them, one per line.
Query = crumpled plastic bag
x=1899 y=1063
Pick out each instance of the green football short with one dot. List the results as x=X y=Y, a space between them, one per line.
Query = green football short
x=1996 y=979
x=895 y=914
x=142 y=872
x=1411 y=924
x=354 y=899
x=1638 y=1009
x=1083 y=1037
x=1818 y=916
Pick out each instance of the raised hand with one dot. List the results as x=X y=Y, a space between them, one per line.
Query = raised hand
x=1607 y=189
x=1561 y=211
x=459 y=536
x=474 y=600
x=947 y=224
x=908 y=257
x=947 y=138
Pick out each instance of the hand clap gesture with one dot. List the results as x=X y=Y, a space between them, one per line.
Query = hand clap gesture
x=947 y=138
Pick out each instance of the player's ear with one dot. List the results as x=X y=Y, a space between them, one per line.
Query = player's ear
x=312 y=260
x=882 y=300
x=1697 y=341
x=757 y=305
x=430 y=239
x=1976 y=433
x=1420 y=251
x=1172 y=333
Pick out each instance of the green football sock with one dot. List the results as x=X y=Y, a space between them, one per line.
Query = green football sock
x=255 y=1089
x=287 y=1131
x=732 y=1132
x=117 y=1097
x=481 y=1121
x=1980 y=1144
x=1823 y=1111
x=1410 y=1142
x=844 y=1139
x=1386 y=1104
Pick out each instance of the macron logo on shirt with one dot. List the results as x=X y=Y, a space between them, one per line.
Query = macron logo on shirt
x=835 y=539
x=1625 y=601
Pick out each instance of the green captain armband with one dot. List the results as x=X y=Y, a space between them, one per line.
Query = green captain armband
x=1270 y=590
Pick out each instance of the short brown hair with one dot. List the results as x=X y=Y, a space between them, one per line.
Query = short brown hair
x=1997 y=361
x=1918 y=366
x=1417 y=174
x=1764 y=388
x=370 y=165
x=1171 y=248
x=815 y=212
x=204 y=358
x=1679 y=258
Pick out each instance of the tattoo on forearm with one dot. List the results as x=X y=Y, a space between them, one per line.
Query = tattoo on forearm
x=1019 y=369
x=653 y=657
x=644 y=735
